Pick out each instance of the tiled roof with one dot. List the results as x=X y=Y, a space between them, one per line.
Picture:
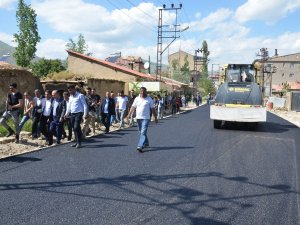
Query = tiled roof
x=111 y=65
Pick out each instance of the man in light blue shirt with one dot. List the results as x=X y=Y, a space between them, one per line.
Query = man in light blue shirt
x=77 y=108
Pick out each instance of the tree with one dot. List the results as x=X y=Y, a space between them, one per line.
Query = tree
x=207 y=85
x=80 y=46
x=27 y=37
x=205 y=52
x=181 y=74
x=44 y=67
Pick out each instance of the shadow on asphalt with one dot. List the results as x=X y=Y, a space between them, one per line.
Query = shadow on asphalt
x=267 y=127
x=20 y=159
x=167 y=148
x=103 y=146
x=174 y=195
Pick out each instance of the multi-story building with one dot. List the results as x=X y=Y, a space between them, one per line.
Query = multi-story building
x=278 y=70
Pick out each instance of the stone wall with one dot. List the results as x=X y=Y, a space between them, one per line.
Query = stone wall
x=24 y=79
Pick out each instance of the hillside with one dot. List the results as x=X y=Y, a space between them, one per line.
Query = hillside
x=6 y=53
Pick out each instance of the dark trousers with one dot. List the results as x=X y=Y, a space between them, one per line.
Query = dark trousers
x=35 y=125
x=76 y=119
x=45 y=128
x=105 y=119
x=56 y=129
x=69 y=125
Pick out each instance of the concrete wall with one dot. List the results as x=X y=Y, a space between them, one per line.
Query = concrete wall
x=98 y=71
x=24 y=79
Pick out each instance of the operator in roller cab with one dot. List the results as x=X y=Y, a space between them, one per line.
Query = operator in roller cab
x=239 y=97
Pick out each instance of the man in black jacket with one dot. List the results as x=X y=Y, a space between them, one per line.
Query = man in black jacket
x=107 y=109
x=56 y=117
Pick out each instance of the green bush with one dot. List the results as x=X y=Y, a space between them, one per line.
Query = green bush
x=10 y=122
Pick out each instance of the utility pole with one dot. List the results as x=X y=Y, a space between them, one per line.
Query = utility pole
x=196 y=74
x=164 y=32
x=264 y=54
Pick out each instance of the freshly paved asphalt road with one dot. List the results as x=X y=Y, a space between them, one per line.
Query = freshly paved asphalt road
x=192 y=174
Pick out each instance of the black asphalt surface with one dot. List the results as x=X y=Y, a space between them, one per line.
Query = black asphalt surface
x=191 y=174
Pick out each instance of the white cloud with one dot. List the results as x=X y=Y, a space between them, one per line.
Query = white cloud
x=96 y=23
x=6 y=4
x=52 y=49
x=7 y=38
x=269 y=11
x=105 y=31
x=243 y=50
x=212 y=20
x=198 y=15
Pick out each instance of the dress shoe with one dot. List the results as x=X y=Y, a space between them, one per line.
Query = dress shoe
x=78 y=145
x=74 y=145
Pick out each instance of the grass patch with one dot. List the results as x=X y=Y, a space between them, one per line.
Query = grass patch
x=10 y=122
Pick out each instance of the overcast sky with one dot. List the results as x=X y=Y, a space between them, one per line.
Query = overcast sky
x=235 y=30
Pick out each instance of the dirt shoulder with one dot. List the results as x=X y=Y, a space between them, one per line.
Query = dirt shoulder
x=291 y=116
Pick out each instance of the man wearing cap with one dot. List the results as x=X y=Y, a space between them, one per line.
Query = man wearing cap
x=77 y=108
x=14 y=103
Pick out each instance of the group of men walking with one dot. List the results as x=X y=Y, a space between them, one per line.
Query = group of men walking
x=50 y=113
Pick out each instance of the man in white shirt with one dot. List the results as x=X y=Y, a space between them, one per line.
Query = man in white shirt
x=143 y=104
x=121 y=105
x=77 y=108
x=45 y=118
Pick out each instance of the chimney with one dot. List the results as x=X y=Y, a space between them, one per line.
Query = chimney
x=276 y=52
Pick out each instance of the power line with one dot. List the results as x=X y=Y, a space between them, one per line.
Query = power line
x=151 y=17
x=186 y=14
x=143 y=25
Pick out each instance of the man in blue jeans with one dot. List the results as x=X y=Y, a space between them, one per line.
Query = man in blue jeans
x=143 y=104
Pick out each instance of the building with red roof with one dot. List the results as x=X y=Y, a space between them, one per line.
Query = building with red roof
x=100 y=69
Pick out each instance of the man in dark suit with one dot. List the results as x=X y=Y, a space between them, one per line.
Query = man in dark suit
x=107 y=109
x=56 y=117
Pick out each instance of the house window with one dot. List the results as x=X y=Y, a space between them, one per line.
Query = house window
x=283 y=64
x=292 y=65
x=291 y=74
x=282 y=75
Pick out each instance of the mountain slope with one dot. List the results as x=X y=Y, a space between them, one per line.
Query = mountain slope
x=6 y=53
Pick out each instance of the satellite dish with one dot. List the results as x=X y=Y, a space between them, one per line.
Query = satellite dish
x=146 y=65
